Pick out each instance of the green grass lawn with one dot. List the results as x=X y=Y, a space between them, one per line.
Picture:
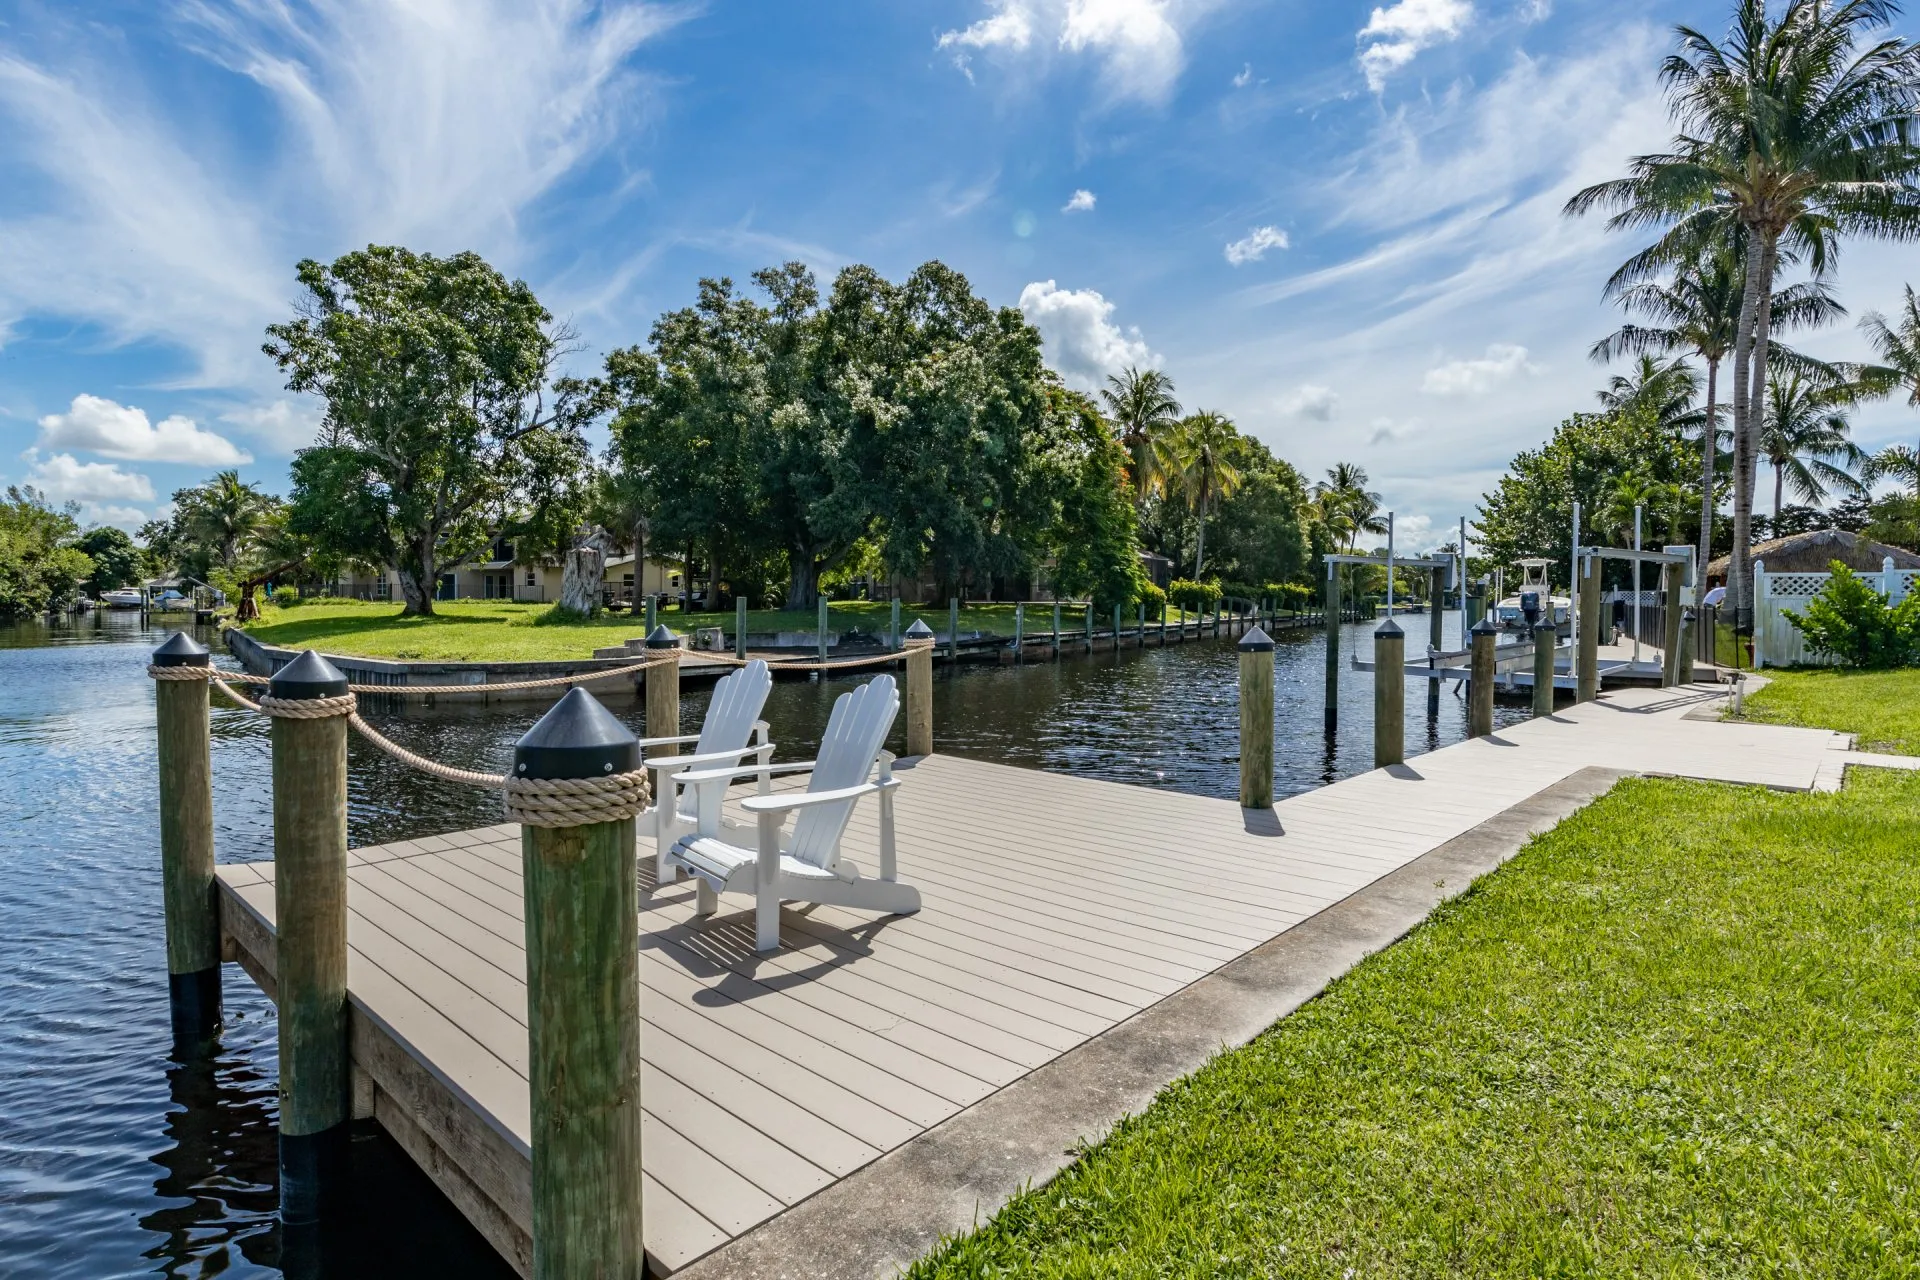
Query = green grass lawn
x=505 y=631
x=1674 y=1037
x=1881 y=707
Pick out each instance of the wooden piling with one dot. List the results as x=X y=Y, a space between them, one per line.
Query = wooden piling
x=740 y=627
x=1332 y=718
x=1545 y=636
x=1436 y=634
x=1256 y=720
x=1670 y=660
x=1143 y=626
x=582 y=914
x=186 y=843
x=310 y=953
x=1089 y=630
x=663 y=686
x=819 y=632
x=953 y=629
x=1480 y=679
x=920 y=689
x=1587 y=685
x=1056 y=630
x=893 y=624
x=1389 y=694
x=1688 y=622
x=1019 y=630
x=653 y=612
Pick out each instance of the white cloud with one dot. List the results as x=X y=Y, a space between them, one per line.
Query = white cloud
x=112 y=430
x=1396 y=34
x=1245 y=77
x=281 y=425
x=1532 y=11
x=102 y=489
x=1082 y=341
x=1010 y=27
x=1137 y=42
x=1503 y=362
x=1254 y=245
x=1310 y=400
x=432 y=125
x=1140 y=47
x=1082 y=201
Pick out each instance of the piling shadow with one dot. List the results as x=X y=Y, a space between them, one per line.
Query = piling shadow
x=1262 y=822
x=1405 y=772
x=1499 y=741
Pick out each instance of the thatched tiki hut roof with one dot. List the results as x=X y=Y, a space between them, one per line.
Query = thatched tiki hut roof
x=1815 y=553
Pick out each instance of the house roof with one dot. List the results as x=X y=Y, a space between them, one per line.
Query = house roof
x=1813 y=552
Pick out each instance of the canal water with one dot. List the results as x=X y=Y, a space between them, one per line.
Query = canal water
x=115 y=1159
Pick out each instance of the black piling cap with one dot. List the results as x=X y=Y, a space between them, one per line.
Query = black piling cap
x=1388 y=628
x=1256 y=641
x=308 y=676
x=919 y=630
x=1485 y=627
x=1543 y=627
x=658 y=638
x=181 y=650
x=577 y=738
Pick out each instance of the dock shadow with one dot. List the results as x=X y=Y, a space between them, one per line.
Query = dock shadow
x=1262 y=822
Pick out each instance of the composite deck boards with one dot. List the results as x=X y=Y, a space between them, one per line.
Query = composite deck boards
x=1051 y=914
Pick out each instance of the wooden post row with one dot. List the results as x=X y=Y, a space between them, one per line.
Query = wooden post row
x=1389 y=694
x=1480 y=680
x=663 y=685
x=919 y=689
x=1256 y=720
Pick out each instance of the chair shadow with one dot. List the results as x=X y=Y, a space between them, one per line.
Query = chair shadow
x=721 y=946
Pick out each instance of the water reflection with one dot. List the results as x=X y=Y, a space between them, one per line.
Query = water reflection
x=116 y=1157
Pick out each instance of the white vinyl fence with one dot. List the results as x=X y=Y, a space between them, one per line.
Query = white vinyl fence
x=1776 y=643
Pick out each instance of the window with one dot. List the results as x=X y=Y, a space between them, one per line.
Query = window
x=534 y=581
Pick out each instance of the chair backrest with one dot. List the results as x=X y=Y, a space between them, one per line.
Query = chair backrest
x=736 y=703
x=856 y=731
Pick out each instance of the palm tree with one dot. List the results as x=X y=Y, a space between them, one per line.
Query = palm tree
x=226 y=513
x=1665 y=389
x=1141 y=404
x=1898 y=346
x=1345 y=502
x=1697 y=313
x=1791 y=132
x=1805 y=437
x=1195 y=455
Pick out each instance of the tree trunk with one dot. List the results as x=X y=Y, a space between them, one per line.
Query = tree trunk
x=803 y=578
x=642 y=532
x=1739 y=574
x=1756 y=416
x=1200 y=546
x=417 y=582
x=1779 y=483
x=580 y=579
x=713 y=576
x=1709 y=448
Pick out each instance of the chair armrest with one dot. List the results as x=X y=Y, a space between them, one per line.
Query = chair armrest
x=742 y=771
x=806 y=799
x=706 y=757
x=669 y=742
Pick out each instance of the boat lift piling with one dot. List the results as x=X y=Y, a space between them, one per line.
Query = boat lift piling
x=1436 y=565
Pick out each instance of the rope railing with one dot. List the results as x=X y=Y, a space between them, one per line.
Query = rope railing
x=534 y=802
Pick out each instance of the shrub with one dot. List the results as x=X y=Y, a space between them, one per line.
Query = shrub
x=1150 y=595
x=1193 y=596
x=1854 y=624
x=1294 y=594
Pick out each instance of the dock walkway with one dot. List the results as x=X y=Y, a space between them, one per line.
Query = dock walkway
x=1056 y=908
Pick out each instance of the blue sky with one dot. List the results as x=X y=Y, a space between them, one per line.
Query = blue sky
x=1336 y=222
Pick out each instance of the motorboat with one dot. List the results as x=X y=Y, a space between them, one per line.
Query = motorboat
x=1531 y=603
x=124 y=598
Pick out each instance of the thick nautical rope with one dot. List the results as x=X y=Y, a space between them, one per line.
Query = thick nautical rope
x=505 y=686
x=576 y=802
x=807 y=664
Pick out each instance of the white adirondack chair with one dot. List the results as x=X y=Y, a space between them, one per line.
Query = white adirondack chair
x=731 y=731
x=807 y=866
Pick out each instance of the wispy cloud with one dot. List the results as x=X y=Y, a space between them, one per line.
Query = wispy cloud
x=1082 y=201
x=1245 y=77
x=430 y=123
x=1503 y=362
x=1254 y=245
x=1082 y=341
x=96 y=425
x=1137 y=42
x=1312 y=401
x=1395 y=35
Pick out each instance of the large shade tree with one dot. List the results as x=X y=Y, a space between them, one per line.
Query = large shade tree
x=1795 y=129
x=438 y=375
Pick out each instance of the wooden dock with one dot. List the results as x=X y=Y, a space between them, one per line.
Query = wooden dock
x=1055 y=909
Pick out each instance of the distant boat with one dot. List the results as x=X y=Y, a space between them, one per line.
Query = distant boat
x=1535 y=593
x=124 y=598
x=170 y=599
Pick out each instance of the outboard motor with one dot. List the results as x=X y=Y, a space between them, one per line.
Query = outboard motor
x=1530 y=607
